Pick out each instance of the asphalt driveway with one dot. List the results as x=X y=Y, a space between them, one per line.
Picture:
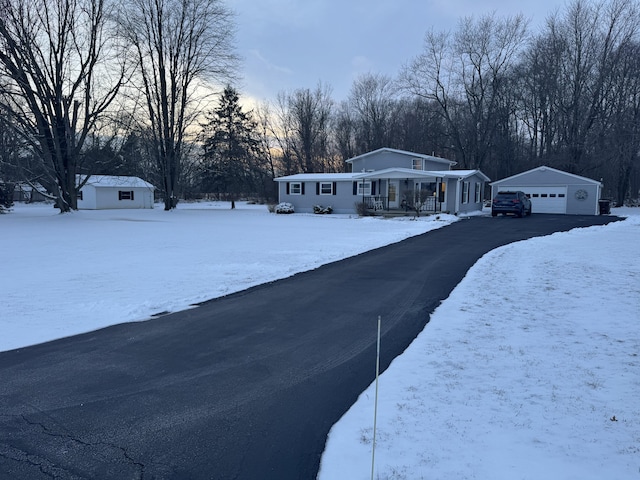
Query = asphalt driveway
x=242 y=387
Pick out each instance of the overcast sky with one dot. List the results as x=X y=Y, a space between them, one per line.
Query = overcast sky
x=290 y=44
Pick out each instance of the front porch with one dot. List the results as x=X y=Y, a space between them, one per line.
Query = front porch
x=380 y=205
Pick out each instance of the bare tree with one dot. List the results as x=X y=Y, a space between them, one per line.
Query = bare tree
x=464 y=74
x=372 y=102
x=590 y=38
x=58 y=75
x=301 y=130
x=621 y=130
x=180 y=46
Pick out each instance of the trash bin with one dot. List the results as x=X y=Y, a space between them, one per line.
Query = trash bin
x=605 y=207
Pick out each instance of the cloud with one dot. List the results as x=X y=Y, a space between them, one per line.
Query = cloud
x=270 y=65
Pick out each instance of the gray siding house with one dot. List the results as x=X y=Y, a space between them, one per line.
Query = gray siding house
x=554 y=191
x=387 y=180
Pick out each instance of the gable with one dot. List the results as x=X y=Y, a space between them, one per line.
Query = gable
x=545 y=176
x=385 y=158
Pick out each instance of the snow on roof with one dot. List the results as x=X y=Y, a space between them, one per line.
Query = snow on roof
x=550 y=169
x=403 y=152
x=395 y=173
x=411 y=173
x=114 y=181
x=316 y=177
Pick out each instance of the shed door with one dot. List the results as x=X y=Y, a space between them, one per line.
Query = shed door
x=546 y=199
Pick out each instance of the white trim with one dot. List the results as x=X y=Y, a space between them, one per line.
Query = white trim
x=330 y=188
x=465 y=192
x=291 y=186
x=366 y=185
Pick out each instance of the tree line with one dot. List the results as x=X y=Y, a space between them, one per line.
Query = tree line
x=84 y=89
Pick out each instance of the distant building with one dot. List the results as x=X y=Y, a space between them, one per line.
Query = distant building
x=28 y=193
x=111 y=192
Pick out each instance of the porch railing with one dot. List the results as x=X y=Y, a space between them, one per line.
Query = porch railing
x=376 y=202
x=379 y=202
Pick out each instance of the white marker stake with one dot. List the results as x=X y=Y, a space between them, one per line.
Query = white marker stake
x=375 y=408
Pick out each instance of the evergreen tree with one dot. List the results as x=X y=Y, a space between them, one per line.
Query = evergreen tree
x=231 y=148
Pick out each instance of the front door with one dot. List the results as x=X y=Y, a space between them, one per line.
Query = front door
x=393 y=194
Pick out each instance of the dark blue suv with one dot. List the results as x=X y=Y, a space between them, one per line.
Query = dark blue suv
x=511 y=202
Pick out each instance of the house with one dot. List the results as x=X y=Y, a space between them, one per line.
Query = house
x=554 y=191
x=106 y=192
x=29 y=192
x=388 y=180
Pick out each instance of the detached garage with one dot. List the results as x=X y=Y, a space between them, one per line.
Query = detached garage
x=554 y=191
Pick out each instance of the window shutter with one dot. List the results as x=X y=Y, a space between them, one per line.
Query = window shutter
x=355 y=188
x=131 y=194
x=302 y=188
x=373 y=188
x=287 y=188
x=335 y=185
x=317 y=188
x=119 y=195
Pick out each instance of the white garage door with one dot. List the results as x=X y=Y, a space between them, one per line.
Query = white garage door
x=546 y=199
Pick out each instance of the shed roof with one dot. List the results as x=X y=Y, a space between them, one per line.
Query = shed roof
x=114 y=181
x=544 y=168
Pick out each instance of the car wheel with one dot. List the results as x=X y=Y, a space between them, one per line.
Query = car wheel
x=494 y=214
x=520 y=213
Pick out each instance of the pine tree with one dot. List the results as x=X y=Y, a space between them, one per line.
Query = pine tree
x=231 y=147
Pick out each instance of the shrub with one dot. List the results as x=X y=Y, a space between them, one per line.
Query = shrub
x=322 y=210
x=284 y=207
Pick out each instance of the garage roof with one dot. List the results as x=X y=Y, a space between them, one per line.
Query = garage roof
x=544 y=168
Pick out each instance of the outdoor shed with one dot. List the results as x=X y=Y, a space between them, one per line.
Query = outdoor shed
x=554 y=191
x=107 y=192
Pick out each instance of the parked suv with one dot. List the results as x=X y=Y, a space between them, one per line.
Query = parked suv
x=511 y=202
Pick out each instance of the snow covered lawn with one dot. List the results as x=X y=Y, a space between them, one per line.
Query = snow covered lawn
x=529 y=370
x=69 y=274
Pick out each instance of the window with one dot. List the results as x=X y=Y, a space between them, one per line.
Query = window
x=465 y=192
x=364 y=188
x=295 y=188
x=326 y=188
x=478 y=192
x=417 y=164
x=125 y=194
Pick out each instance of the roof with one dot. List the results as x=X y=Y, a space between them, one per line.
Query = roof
x=113 y=181
x=406 y=173
x=317 y=177
x=403 y=152
x=387 y=173
x=545 y=168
